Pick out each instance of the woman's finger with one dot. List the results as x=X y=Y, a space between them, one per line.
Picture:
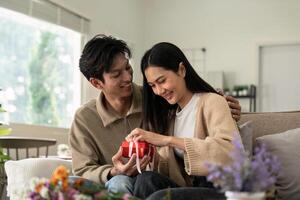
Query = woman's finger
x=138 y=138
x=129 y=138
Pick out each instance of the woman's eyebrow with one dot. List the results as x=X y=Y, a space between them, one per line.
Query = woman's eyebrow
x=160 y=77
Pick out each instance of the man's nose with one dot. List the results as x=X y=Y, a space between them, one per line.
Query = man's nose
x=127 y=76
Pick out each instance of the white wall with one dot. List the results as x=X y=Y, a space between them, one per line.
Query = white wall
x=279 y=78
x=120 y=18
x=230 y=30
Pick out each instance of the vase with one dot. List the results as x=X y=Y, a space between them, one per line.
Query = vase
x=232 y=195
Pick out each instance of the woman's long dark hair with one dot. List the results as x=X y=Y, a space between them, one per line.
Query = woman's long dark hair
x=157 y=112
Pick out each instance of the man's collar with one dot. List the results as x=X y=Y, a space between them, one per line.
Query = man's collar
x=109 y=115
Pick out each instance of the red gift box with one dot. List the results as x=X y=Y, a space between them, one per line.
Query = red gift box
x=144 y=148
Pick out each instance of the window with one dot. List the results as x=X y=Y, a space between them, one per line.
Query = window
x=38 y=70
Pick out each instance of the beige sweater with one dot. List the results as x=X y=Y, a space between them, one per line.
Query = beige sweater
x=96 y=135
x=212 y=142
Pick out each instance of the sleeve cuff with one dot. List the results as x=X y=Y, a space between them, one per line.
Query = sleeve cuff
x=192 y=161
x=104 y=175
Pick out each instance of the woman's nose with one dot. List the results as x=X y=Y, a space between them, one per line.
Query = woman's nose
x=160 y=90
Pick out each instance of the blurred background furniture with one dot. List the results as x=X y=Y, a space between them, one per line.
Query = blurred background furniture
x=20 y=172
x=251 y=96
x=281 y=133
x=10 y=143
x=23 y=147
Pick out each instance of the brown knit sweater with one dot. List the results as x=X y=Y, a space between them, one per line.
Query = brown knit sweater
x=212 y=142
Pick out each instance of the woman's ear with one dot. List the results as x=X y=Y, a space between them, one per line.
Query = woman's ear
x=96 y=83
x=181 y=70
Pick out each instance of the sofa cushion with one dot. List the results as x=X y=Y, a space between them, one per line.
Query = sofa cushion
x=246 y=132
x=20 y=172
x=286 y=147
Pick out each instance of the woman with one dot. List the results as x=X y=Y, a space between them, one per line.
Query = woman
x=184 y=116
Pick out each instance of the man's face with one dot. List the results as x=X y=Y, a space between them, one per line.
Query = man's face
x=118 y=81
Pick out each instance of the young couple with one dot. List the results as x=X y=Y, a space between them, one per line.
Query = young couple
x=181 y=114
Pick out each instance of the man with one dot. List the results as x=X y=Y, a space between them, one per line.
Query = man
x=101 y=124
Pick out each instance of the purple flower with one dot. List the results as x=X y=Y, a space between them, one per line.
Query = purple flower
x=71 y=192
x=126 y=196
x=101 y=194
x=258 y=174
x=33 y=196
x=61 y=196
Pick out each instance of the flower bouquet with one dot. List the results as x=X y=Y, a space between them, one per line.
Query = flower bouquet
x=245 y=176
x=61 y=187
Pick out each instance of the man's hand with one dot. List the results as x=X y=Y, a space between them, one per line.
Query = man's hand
x=234 y=105
x=129 y=168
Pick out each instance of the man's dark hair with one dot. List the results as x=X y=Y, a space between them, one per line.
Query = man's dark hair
x=98 y=55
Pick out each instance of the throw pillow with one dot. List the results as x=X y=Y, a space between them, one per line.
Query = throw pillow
x=246 y=132
x=286 y=147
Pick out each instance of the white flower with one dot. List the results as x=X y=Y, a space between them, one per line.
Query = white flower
x=63 y=150
x=82 y=197
x=45 y=193
x=33 y=182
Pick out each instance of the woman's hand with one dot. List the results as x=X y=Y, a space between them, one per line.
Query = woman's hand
x=153 y=138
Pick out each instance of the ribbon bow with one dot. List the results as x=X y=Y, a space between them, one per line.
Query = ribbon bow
x=136 y=145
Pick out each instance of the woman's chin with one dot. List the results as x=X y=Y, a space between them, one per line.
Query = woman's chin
x=171 y=101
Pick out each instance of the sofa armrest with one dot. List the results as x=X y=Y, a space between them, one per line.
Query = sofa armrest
x=20 y=172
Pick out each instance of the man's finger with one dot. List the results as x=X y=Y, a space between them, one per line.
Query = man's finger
x=131 y=162
x=236 y=117
x=132 y=171
x=123 y=168
x=231 y=99
x=145 y=161
x=118 y=155
x=235 y=112
x=234 y=105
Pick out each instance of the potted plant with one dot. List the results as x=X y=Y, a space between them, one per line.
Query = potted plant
x=246 y=178
x=4 y=130
x=61 y=186
x=3 y=159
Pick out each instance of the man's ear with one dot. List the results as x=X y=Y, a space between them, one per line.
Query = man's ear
x=96 y=83
x=181 y=70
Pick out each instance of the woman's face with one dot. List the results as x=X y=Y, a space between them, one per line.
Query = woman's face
x=166 y=83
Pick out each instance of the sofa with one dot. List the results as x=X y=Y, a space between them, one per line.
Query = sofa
x=256 y=126
x=280 y=131
x=266 y=123
x=20 y=172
